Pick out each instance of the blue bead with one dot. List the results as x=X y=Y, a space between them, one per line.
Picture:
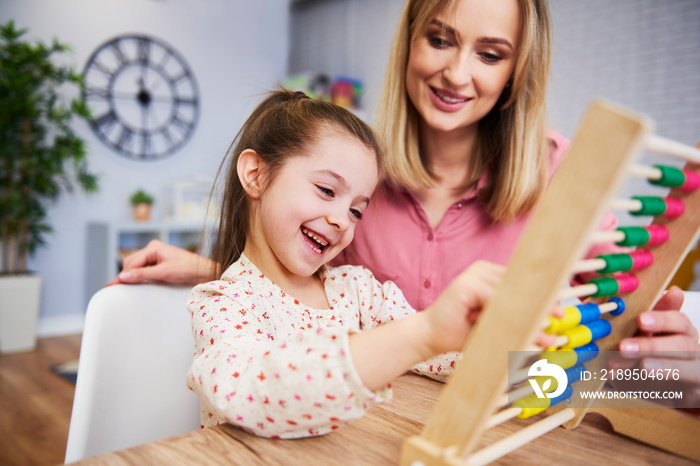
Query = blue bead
x=620 y=306
x=589 y=312
x=586 y=352
x=573 y=374
x=564 y=396
x=599 y=329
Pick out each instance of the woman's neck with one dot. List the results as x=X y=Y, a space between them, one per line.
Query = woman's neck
x=448 y=156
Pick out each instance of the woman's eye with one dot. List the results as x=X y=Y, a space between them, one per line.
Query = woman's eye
x=328 y=192
x=491 y=57
x=438 y=42
x=356 y=213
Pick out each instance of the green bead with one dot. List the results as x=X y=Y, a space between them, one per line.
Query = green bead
x=607 y=286
x=671 y=177
x=651 y=205
x=616 y=263
x=634 y=236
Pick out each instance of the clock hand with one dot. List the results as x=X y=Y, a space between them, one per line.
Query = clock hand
x=144 y=118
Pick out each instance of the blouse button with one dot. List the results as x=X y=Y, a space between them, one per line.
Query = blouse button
x=459 y=205
x=327 y=314
x=426 y=284
x=430 y=236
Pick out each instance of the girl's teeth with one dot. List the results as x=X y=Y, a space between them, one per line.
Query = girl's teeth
x=320 y=241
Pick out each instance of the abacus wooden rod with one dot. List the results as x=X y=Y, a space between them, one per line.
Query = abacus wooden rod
x=503 y=416
x=577 y=291
x=520 y=438
x=588 y=265
x=660 y=145
x=626 y=205
x=645 y=171
x=607 y=236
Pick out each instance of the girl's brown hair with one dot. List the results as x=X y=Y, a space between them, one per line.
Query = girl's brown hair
x=512 y=149
x=284 y=125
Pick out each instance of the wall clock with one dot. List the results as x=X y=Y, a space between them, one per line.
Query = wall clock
x=143 y=97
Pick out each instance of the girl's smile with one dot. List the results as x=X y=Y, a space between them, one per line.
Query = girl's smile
x=307 y=213
x=315 y=241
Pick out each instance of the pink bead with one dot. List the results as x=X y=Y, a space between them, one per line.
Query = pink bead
x=627 y=282
x=641 y=259
x=658 y=234
x=692 y=181
x=674 y=207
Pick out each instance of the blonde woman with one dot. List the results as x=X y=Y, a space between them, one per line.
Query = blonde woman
x=463 y=116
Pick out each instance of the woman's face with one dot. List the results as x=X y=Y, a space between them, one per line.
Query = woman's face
x=459 y=66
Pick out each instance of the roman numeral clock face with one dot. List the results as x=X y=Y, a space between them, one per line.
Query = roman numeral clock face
x=143 y=97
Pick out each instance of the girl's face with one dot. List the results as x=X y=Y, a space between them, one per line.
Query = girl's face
x=308 y=212
x=458 y=68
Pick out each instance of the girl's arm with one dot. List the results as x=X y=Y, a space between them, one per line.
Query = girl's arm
x=387 y=351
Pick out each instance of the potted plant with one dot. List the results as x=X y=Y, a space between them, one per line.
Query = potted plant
x=40 y=157
x=141 y=201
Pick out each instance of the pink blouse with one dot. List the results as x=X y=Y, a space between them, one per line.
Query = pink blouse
x=396 y=241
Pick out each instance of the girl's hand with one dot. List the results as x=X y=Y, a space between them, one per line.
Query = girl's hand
x=452 y=315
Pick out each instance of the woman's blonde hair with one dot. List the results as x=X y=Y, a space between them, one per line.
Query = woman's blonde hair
x=512 y=147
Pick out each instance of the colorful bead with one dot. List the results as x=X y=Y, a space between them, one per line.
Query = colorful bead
x=619 y=283
x=589 y=312
x=651 y=205
x=674 y=207
x=620 y=306
x=568 y=393
x=692 y=181
x=572 y=317
x=658 y=234
x=651 y=235
x=671 y=177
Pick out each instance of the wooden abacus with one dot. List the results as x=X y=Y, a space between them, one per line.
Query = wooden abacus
x=603 y=152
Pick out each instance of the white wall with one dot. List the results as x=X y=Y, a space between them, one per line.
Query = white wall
x=236 y=49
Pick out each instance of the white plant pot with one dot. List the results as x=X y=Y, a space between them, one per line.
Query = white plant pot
x=19 y=312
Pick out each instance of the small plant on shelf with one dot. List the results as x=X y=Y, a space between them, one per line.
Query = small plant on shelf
x=141 y=201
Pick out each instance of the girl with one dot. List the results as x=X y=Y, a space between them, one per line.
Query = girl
x=284 y=345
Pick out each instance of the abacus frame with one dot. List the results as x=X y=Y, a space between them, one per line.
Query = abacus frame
x=556 y=236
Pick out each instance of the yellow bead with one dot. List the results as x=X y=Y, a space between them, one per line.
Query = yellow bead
x=531 y=405
x=578 y=336
x=572 y=317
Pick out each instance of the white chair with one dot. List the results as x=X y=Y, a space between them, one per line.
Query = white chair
x=135 y=352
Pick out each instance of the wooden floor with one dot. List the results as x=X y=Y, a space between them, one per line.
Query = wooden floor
x=35 y=403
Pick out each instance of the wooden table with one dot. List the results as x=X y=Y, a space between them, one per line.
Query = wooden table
x=376 y=440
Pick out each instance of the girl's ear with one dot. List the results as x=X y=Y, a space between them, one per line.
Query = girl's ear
x=249 y=169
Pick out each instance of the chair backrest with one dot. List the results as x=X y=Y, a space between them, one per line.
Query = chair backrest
x=135 y=352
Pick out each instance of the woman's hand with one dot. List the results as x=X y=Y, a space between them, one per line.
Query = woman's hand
x=665 y=329
x=166 y=263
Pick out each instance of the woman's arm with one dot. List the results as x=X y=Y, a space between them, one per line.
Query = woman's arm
x=166 y=263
